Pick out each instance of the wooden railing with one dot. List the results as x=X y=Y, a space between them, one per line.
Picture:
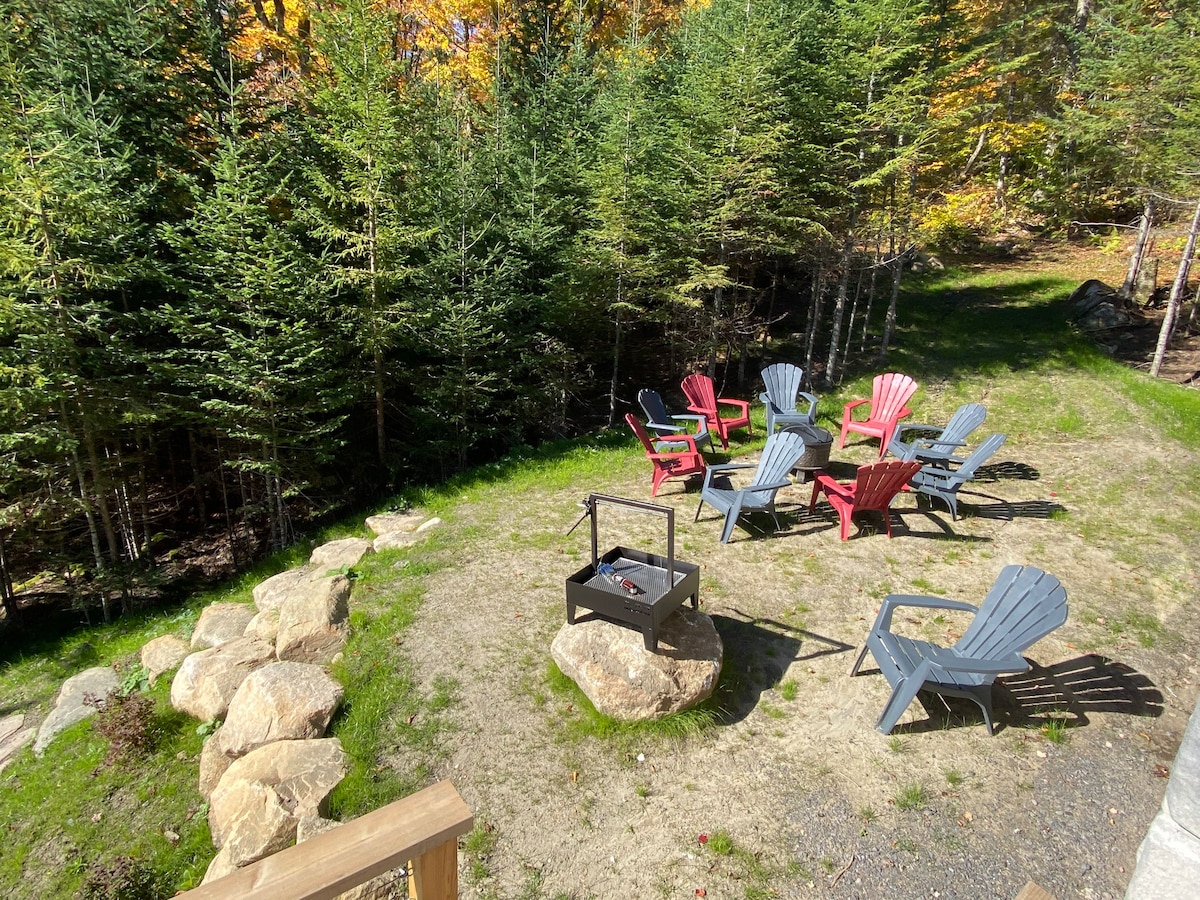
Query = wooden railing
x=420 y=831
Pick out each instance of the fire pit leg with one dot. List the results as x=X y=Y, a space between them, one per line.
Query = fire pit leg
x=650 y=639
x=570 y=613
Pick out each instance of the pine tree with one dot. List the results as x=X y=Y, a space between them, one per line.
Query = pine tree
x=357 y=154
x=254 y=345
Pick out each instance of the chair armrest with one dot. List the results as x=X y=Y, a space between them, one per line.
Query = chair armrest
x=937 y=442
x=659 y=426
x=914 y=426
x=690 y=418
x=892 y=602
x=722 y=467
x=754 y=488
x=743 y=405
x=677 y=439
x=811 y=398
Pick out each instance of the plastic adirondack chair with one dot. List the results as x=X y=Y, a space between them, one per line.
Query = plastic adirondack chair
x=782 y=382
x=1023 y=605
x=659 y=420
x=874 y=487
x=780 y=454
x=934 y=481
x=702 y=398
x=889 y=394
x=686 y=460
x=940 y=448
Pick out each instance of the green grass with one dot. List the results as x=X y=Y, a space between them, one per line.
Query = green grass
x=385 y=709
x=81 y=805
x=1055 y=730
x=752 y=869
x=911 y=796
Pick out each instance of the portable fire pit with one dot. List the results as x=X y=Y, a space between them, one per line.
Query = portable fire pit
x=642 y=589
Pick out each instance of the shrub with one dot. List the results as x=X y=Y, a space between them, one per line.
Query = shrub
x=127 y=720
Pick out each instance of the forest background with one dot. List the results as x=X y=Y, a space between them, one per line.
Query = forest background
x=261 y=261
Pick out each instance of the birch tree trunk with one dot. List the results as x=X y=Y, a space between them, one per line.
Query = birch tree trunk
x=1176 y=299
x=1139 y=249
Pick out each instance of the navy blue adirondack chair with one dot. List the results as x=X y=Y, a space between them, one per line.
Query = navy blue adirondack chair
x=662 y=423
x=782 y=395
x=779 y=456
x=934 y=481
x=1024 y=604
x=930 y=444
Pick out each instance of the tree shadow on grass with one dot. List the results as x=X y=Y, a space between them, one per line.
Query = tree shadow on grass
x=757 y=653
x=1066 y=692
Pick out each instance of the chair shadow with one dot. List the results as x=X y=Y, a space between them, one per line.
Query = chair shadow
x=1009 y=510
x=757 y=653
x=1065 y=692
x=1008 y=470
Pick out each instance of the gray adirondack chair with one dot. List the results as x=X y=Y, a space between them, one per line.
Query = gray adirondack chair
x=782 y=395
x=1024 y=604
x=930 y=444
x=780 y=454
x=934 y=481
x=662 y=423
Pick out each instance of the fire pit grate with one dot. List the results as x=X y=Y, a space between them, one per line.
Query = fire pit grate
x=662 y=583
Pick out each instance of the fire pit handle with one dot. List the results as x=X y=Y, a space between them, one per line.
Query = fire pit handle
x=636 y=506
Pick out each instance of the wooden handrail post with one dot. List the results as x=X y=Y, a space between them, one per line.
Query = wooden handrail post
x=434 y=874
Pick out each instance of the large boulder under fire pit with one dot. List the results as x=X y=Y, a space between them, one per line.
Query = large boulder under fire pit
x=624 y=680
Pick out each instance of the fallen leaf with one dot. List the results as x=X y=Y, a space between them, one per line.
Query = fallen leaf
x=703 y=838
x=1161 y=771
x=574 y=777
x=701 y=892
x=412 y=718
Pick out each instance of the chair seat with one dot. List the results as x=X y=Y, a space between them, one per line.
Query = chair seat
x=724 y=499
x=906 y=654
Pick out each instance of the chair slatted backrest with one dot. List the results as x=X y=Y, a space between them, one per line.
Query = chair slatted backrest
x=1024 y=604
x=652 y=405
x=875 y=485
x=889 y=393
x=783 y=382
x=701 y=393
x=782 y=451
x=979 y=456
x=966 y=419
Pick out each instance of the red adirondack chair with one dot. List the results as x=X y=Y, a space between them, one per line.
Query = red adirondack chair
x=889 y=394
x=668 y=464
x=702 y=398
x=873 y=488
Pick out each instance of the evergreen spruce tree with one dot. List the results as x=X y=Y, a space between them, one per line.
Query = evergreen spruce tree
x=353 y=193
x=254 y=346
